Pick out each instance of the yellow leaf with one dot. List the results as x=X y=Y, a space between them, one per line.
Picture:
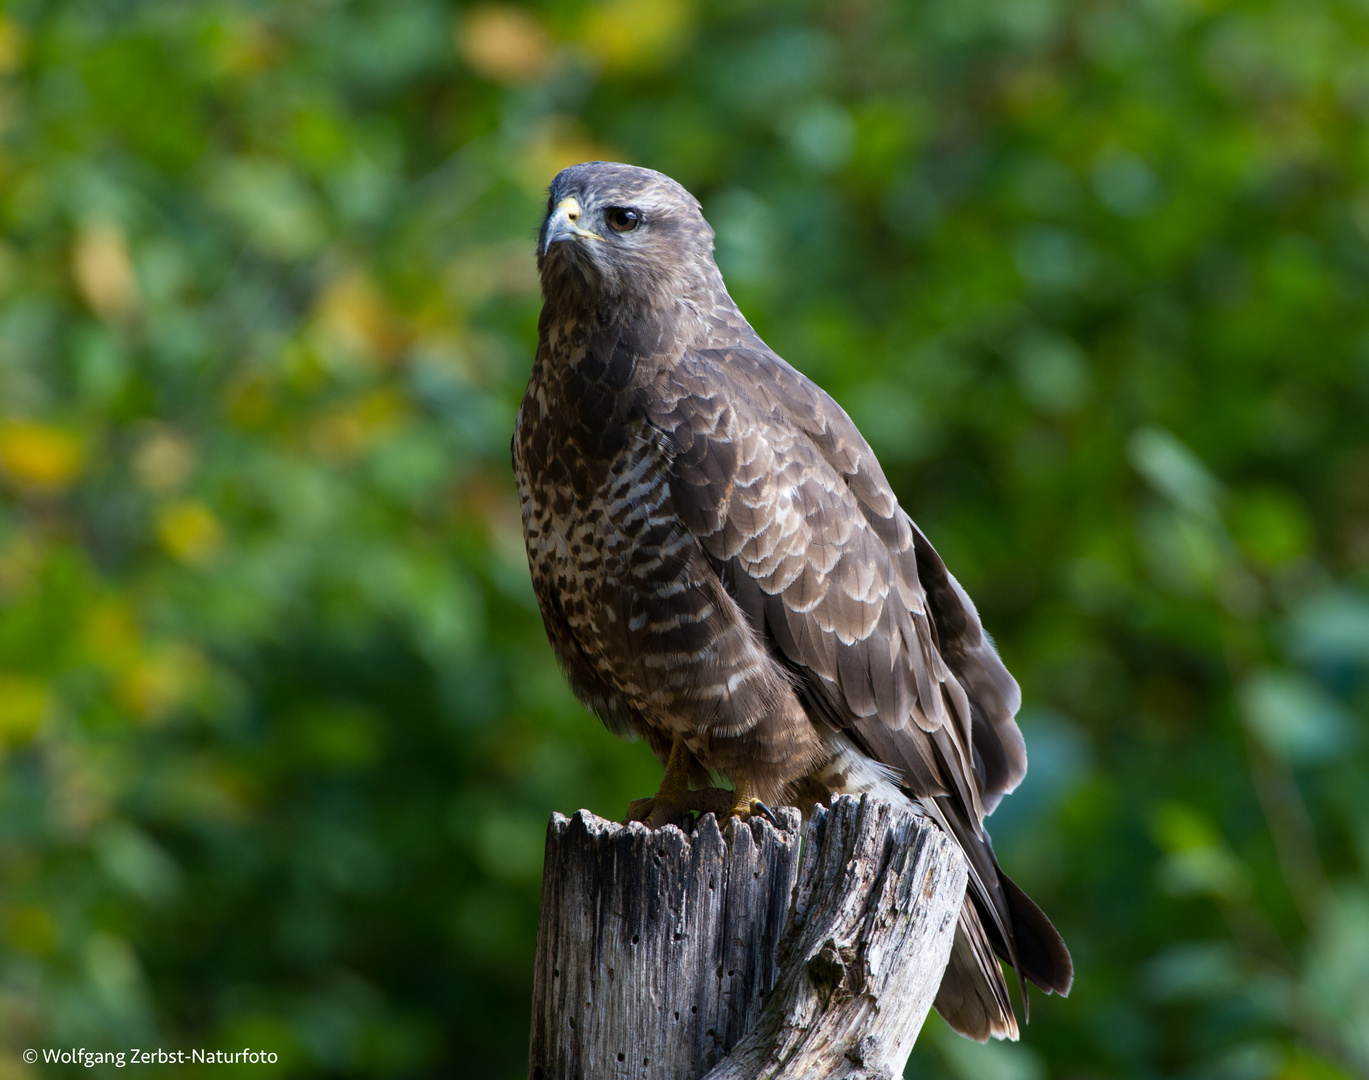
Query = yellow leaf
x=24 y=705
x=247 y=47
x=560 y=141
x=503 y=43
x=160 y=680
x=637 y=35
x=190 y=531
x=39 y=457
x=355 y=320
x=111 y=634
x=342 y=433
x=12 y=45
x=163 y=461
x=103 y=270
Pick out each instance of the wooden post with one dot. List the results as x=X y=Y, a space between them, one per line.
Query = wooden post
x=739 y=954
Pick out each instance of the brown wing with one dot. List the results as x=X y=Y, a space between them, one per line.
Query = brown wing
x=788 y=500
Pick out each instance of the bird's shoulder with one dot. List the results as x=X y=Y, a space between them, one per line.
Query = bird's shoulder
x=714 y=396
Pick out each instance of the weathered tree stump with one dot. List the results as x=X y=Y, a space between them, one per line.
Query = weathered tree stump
x=738 y=954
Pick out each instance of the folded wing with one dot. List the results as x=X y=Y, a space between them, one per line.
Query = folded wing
x=791 y=506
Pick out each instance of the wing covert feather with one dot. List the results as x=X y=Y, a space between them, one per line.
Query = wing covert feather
x=787 y=497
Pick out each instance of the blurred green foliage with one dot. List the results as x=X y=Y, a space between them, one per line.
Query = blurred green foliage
x=280 y=728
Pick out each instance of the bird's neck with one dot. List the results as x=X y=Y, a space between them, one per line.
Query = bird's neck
x=660 y=325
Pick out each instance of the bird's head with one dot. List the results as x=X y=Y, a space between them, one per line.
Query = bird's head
x=623 y=234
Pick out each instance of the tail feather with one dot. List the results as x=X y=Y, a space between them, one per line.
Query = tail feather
x=973 y=997
x=997 y=917
x=1041 y=951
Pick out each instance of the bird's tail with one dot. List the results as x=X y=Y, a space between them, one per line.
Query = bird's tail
x=1041 y=953
x=973 y=997
x=997 y=919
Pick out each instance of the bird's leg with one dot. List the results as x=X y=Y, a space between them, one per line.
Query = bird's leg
x=674 y=784
x=674 y=799
x=745 y=805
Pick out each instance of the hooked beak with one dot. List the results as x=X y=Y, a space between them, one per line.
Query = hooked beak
x=561 y=225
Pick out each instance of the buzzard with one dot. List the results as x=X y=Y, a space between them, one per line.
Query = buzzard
x=724 y=570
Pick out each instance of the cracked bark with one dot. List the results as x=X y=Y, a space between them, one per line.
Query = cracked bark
x=740 y=954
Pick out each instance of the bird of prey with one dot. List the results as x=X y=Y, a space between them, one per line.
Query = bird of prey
x=724 y=571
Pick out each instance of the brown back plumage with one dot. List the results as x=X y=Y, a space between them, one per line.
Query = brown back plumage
x=719 y=557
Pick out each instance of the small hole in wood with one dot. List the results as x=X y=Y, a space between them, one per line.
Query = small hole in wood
x=677 y=1016
x=620 y=1057
x=693 y=1008
x=646 y=1061
x=572 y=1023
x=555 y=973
x=634 y=939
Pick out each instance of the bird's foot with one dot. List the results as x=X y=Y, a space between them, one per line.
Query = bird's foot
x=746 y=809
x=674 y=807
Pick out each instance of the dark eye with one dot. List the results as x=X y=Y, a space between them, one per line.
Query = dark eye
x=621 y=219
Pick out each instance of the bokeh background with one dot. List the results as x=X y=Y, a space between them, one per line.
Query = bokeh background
x=280 y=727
